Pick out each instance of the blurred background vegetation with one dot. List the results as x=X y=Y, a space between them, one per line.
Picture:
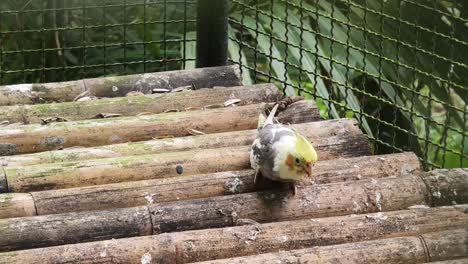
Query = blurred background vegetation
x=400 y=67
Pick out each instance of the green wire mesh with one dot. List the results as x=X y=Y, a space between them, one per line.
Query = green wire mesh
x=399 y=67
x=56 y=40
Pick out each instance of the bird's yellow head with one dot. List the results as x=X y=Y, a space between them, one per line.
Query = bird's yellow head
x=305 y=156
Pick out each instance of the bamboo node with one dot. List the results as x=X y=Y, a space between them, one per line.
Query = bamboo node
x=426 y=249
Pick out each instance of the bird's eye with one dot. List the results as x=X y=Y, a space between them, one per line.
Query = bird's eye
x=297 y=161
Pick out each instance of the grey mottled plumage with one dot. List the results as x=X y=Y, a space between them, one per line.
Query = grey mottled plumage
x=263 y=154
x=280 y=153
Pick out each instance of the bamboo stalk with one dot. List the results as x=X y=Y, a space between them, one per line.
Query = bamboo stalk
x=412 y=249
x=16 y=204
x=128 y=168
x=119 y=85
x=40 y=93
x=200 y=245
x=453 y=261
x=133 y=105
x=35 y=138
x=209 y=77
x=450 y=246
x=138 y=193
x=365 y=196
x=335 y=199
x=334 y=139
x=447 y=185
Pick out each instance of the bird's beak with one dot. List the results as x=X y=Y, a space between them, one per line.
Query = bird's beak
x=308 y=169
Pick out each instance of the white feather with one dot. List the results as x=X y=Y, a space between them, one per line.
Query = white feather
x=283 y=147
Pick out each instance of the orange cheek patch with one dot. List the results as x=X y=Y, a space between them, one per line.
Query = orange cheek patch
x=290 y=161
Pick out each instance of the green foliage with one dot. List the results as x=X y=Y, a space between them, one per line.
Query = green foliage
x=393 y=65
x=55 y=40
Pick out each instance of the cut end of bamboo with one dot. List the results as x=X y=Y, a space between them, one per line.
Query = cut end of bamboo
x=16 y=205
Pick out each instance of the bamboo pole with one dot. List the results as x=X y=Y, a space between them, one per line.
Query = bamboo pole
x=35 y=138
x=133 y=105
x=122 y=169
x=16 y=204
x=447 y=185
x=333 y=138
x=335 y=199
x=138 y=193
x=453 y=261
x=447 y=247
x=97 y=132
x=119 y=85
x=412 y=249
x=200 y=245
x=40 y=93
x=128 y=168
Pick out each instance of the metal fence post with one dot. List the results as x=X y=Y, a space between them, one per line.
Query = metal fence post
x=212 y=33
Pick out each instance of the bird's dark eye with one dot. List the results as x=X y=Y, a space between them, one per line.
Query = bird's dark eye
x=297 y=160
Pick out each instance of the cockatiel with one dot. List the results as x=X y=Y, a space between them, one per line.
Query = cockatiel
x=280 y=153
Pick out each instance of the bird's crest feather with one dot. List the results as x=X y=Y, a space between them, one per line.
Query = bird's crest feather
x=269 y=119
x=305 y=149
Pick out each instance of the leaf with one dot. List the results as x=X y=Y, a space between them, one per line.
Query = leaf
x=308 y=60
x=190 y=50
x=265 y=45
x=237 y=55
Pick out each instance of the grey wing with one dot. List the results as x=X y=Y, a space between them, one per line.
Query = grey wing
x=262 y=154
x=261 y=150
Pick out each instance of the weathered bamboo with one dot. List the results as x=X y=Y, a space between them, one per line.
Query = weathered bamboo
x=138 y=193
x=133 y=105
x=335 y=199
x=448 y=246
x=365 y=196
x=97 y=132
x=40 y=93
x=124 y=222
x=228 y=242
x=119 y=85
x=453 y=261
x=225 y=76
x=412 y=249
x=334 y=138
x=35 y=138
x=16 y=204
x=447 y=186
x=127 y=168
